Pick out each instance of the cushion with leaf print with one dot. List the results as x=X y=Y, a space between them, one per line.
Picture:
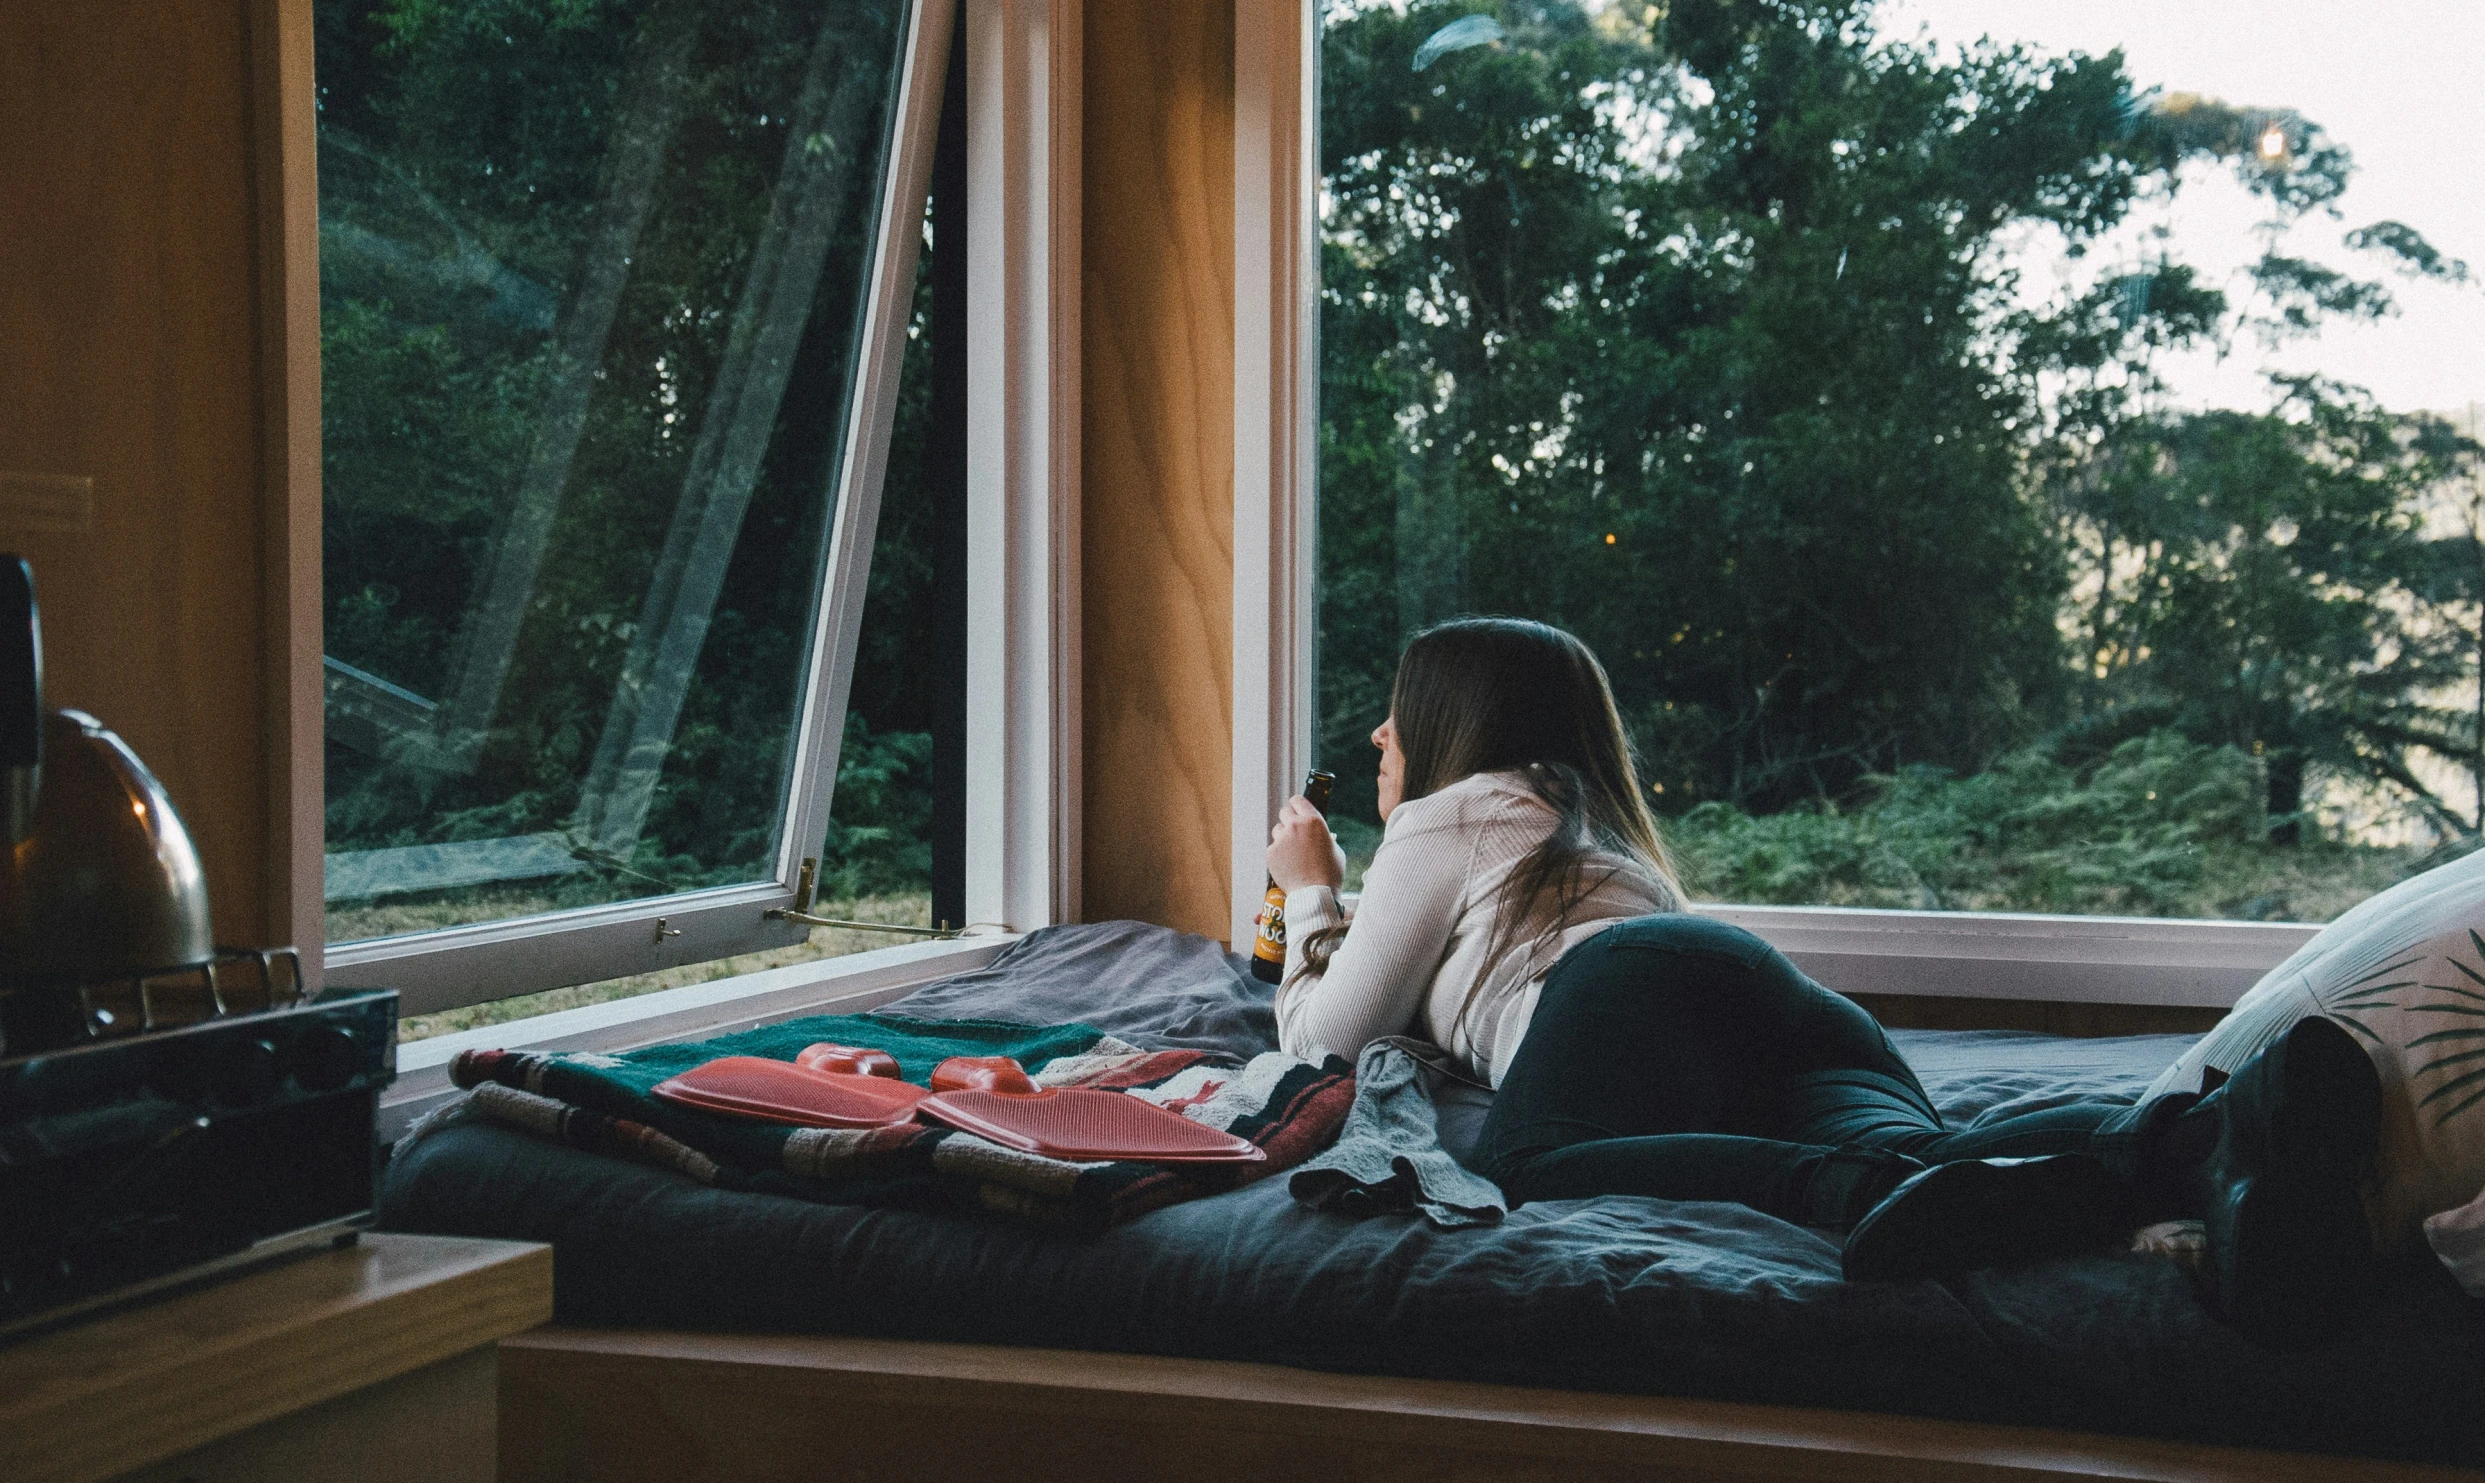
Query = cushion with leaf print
x=2405 y=971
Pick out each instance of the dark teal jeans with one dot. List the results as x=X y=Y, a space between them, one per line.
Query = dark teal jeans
x=1683 y=1058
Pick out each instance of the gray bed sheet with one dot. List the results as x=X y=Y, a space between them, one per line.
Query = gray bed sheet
x=1615 y=1294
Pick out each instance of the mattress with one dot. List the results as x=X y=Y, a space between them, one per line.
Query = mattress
x=1618 y=1293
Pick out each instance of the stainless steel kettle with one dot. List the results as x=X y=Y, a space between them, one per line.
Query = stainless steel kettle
x=101 y=884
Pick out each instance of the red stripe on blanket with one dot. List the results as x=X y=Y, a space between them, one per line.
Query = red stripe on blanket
x=1145 y=1071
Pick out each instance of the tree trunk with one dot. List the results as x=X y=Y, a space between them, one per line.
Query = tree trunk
x=1430 y=534
x=2286 y=796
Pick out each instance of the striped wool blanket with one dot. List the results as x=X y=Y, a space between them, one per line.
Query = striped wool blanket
x=604 y=1103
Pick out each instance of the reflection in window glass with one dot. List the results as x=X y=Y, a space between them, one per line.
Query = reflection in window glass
x=876 y=863
x=590 y=301
x=2009 y=456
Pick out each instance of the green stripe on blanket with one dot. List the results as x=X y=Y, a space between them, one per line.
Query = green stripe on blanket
x=603 y=1103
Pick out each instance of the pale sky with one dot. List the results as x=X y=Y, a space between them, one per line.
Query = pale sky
x=2399 y=82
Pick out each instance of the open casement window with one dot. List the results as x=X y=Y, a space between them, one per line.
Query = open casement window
x=613 y=301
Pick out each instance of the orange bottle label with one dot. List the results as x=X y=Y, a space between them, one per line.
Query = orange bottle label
x=1270 y=945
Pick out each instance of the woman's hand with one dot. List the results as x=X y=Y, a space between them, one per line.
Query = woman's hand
x=1301 y=851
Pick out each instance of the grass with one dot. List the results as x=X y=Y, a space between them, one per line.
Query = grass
x=354 y=921
x=2159 y=827
x=824 y=942
x=2312 y=883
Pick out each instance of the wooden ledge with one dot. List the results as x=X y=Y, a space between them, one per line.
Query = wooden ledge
x=164 y=1377
x=624 y=1404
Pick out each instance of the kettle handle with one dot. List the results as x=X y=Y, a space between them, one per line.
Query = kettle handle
x=21 y=693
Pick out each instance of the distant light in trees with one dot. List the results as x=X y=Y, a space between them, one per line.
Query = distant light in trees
x=2273 y=144
x=1610 y=538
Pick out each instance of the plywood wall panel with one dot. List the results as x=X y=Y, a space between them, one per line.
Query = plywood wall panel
x=1157 y=540
x=131 y=321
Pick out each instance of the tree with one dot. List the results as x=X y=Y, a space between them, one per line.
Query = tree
x=1714 y=342
x=2251 y=575
x=1706 y=338
x=2257 y=578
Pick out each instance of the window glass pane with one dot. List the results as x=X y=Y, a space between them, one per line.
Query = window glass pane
x=590 y=306
x=2009 y=456
x=876 y=863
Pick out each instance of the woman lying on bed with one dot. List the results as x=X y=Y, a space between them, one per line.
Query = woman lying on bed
x=1521 y=914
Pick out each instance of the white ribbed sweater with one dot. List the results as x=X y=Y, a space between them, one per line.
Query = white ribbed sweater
x=1423 y=928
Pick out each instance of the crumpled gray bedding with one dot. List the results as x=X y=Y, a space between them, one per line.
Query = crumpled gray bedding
x=1388 y=1159
x=1617 y=1293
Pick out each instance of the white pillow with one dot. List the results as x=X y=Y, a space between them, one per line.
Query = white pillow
x=2405 y=972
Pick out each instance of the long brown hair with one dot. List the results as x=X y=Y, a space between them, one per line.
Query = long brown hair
x=1511 y=695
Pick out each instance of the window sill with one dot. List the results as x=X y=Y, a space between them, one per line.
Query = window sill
x=2160 y=961
x=847 y=985
x=2011 y=955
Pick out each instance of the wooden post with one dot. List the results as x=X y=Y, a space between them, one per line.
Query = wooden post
x=159 y=459
x=1157 y=542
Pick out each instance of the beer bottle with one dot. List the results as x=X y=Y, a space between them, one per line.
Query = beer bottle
x=1268 y=949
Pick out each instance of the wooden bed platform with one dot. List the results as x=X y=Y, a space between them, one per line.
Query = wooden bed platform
x=617 y=1405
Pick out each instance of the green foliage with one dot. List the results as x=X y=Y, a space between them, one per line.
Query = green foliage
x=414 y=424
x=2417 y=257
x=1704 y=337
x=2257 y=580
x=884 y=813
x=1724 y=344
x=2136 y=832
